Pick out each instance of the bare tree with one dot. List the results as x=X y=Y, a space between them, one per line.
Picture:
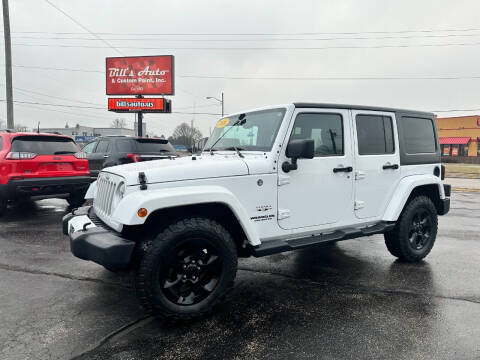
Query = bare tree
x=119 y=123
x=20 y=128
x=185 y=135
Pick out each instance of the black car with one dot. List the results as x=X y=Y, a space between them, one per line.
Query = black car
x=108 y=151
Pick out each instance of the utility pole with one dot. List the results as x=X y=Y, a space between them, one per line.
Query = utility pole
x=8 y=64
x=222 y=105
x=140 y=121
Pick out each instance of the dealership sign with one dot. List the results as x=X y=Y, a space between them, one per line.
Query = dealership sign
x=140 y=75
x=139 y=104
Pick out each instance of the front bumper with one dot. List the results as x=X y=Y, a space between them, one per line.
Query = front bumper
x=98 y=244
x=46 y=186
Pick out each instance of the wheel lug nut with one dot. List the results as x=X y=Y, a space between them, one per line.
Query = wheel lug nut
x=184 y=276
x=184 y=266
x=194 y=277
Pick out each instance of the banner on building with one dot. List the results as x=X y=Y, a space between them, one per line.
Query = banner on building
x=140 y=75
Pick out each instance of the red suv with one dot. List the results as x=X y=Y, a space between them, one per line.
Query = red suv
x=41 y=166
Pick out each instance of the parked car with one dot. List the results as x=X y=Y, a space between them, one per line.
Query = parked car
x=40 y=166
x=269 y=180
x=109 y=151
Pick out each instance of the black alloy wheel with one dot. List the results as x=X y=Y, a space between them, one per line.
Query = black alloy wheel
x=193 y=272
x=420 y=229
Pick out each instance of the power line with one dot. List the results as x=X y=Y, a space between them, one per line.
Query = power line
x=330 y=78
x=247 y=40
x=58 y=69
x=283 y=78
x=58 y=105
x=82 y=26
x=100 y=108
x=260 y=34
x=54 y=97
x=455 y=110
x=254 y=48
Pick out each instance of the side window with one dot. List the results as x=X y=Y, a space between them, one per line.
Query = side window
x=88 y=149
x=326 y=129
x=419 y=135
x=103 y=147
x=375 y=135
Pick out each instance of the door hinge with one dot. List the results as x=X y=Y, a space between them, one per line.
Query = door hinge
x=360 y=175
x=283 y=180
x=359 y=204
x=283 y=214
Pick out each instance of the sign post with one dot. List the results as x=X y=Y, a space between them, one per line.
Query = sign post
x=139 y=120
x=139 y=76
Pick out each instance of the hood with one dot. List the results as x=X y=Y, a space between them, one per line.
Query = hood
x=184 y=168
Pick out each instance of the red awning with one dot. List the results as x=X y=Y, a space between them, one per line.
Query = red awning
x=454 y=140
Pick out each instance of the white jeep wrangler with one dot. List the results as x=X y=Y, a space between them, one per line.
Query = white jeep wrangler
x=269 y=180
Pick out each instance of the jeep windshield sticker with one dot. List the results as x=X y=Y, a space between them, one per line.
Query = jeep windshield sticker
x=223 y=122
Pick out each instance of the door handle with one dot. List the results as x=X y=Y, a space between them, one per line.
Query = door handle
x=105 y=156
x=390 y=166
x=343 y=169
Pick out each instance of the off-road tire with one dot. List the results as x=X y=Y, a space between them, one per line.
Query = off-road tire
x=156 y=261
x=397 y=240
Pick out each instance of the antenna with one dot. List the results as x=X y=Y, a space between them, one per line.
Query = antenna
x=38 y=128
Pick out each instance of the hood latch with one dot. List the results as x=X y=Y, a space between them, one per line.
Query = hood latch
x=142 y=179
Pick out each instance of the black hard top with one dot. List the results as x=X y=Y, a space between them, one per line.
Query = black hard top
x=359 y=107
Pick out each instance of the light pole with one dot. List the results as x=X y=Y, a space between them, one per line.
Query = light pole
x=8 y=64
x=220 y=101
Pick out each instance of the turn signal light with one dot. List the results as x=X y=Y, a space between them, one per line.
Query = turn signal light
x=142 y=212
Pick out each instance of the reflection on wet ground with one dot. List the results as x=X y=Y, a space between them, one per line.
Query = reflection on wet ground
x=345 y=300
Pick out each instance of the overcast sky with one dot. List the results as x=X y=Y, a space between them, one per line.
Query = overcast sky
x=352 y=39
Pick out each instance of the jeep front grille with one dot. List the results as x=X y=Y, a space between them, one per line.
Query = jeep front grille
x=105 y=192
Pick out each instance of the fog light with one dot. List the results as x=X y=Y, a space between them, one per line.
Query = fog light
x=142 y=212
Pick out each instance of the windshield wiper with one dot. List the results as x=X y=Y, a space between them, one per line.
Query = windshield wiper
x=236 y=149
x=241 y=120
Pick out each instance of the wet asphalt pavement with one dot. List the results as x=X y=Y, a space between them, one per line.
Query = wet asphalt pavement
x=346 y=300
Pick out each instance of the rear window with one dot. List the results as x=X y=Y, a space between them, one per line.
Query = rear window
x=419 y=135
x=126 y=146
x=44 y=145
x=154 y=146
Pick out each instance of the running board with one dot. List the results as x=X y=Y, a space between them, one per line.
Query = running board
x=278 y=246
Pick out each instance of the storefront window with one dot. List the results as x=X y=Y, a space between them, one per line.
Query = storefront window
x=445 y=150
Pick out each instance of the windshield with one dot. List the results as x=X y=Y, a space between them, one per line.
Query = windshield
x=256 y=134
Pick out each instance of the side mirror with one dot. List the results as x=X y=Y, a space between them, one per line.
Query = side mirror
x=298 y=149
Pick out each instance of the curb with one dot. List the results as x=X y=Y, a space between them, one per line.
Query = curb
x=461 y=189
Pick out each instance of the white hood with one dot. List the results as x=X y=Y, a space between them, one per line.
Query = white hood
x=184 y=168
